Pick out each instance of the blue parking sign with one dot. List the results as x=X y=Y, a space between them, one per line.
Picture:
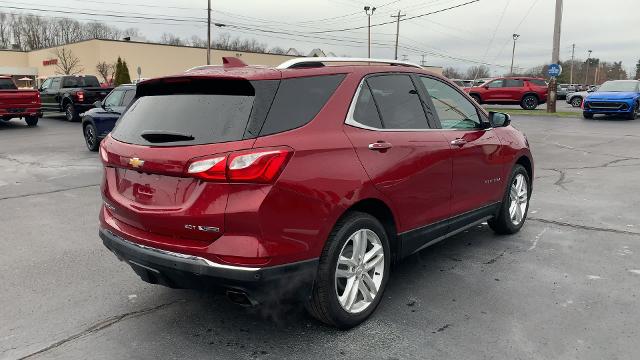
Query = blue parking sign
x=554 y=70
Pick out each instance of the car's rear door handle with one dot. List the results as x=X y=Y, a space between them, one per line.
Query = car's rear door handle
x=380 y=145
x=458 y=142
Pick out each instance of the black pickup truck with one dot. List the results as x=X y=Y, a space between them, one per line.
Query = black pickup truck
x=71 y=94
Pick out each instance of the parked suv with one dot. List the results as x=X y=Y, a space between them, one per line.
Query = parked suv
x=304 y=180
x=525 y=91
x=99 y=121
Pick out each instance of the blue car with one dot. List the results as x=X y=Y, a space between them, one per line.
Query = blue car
x=99 y=121
x=617 y=97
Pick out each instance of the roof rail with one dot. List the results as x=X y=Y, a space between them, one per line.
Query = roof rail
x=318 y=61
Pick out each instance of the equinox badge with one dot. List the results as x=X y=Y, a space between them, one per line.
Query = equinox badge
x=202 y=228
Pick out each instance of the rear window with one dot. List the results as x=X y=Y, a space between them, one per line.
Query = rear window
x=7 y=84
x=185 y=119
x=176 y=112
x=80 y=81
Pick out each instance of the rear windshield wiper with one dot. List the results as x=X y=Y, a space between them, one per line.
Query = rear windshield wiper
x=159 y=136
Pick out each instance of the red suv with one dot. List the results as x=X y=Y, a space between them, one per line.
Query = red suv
x=304 y=180
x=525 y=91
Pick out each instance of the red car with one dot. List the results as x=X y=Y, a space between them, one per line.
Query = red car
x=525 y=91
x=18 y=103
x=304 y=180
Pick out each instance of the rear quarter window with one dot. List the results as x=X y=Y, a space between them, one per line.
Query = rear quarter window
x=538 y=82
x=7 y=84
x=298 y=101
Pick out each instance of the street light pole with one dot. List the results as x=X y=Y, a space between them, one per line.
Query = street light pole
x=209 y=32
x=573 y=53
x=513 y=53
x=369 y=11
x=586 y=74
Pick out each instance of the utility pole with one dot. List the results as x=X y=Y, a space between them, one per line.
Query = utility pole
x=423 y=63
x=366 y=11
x=209 y=32
x=397 y=30
x=573 y=53
x=555 y=57
x=595 y=77
x=513 y=53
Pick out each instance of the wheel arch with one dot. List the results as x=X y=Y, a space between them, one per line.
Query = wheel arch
x=65 y=100
x=381 y=211
x=527 y=164
x=530 y=93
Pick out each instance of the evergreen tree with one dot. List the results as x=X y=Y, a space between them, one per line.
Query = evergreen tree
x=118 y=76
x=126 y=78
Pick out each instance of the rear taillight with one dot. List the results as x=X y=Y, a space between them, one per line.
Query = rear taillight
x=252 y=166
x=80 y=96
x=103 y=154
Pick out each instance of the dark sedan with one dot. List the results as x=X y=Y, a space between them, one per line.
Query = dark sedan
x=99 y=121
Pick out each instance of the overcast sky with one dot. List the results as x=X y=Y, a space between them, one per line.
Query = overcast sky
x=609 y=28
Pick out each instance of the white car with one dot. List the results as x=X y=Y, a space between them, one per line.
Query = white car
x=576 y=98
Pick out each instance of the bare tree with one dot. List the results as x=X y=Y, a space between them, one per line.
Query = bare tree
x=197 y=41
x=171 y=39
x=68 y=63
x=452 y=73
x=105 y=70
x=478 y=71
x=277 y=50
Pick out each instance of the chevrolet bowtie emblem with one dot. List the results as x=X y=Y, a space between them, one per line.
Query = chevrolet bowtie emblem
x=135 y=162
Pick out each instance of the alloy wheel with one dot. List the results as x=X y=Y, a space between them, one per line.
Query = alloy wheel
x=359 y=271
x=576 y=102
x=519 y=198
x=69 y=113
x=89 y=136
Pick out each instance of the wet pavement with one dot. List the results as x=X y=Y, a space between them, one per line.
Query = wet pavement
x=566 y=287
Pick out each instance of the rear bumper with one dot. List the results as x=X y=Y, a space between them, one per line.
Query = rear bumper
x=261 y=285
x=24 y=111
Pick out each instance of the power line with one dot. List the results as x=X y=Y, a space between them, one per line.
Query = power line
x=409 y=18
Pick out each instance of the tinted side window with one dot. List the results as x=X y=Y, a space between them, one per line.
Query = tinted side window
x=298 y=101
x=495 y=84
x=454 y=110
x=366 y=112
x=513 y=83
x=398 y=102
x=7 y=84
x=128 y=96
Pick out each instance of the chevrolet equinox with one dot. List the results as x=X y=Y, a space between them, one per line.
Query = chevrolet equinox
x=304 y=181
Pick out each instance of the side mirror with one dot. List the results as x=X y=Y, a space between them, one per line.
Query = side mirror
x=486 y=87
x=498 y=119
x=97 y=104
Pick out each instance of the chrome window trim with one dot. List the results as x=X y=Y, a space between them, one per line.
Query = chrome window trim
x=185 y=256
x=352 y=122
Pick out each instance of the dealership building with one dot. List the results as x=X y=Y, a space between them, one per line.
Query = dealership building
x=153 y=60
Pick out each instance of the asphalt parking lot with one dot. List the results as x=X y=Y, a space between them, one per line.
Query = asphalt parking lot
x=566 y=287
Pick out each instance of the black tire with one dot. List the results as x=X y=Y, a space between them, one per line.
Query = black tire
x=529 y=102
x=91 y=137
x=70 y=113
x=324 y=304
x=576 y=101
x=587 y=115
x=31 y=120
x=476 y=98
x=633 y=114
x=502 y=223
